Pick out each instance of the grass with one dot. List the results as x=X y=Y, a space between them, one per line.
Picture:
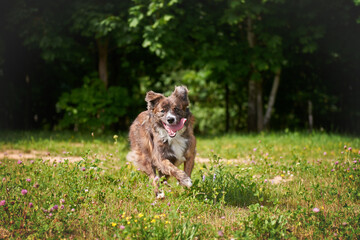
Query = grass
x=102 y=196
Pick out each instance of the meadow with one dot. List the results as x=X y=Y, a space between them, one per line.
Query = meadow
x=267 y=186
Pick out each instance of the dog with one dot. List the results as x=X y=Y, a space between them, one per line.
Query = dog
x=162 y=138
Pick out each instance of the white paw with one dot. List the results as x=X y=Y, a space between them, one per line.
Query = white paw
x=186 y=182
x=160 y=195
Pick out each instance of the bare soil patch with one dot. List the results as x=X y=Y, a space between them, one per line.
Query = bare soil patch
x=35 y=154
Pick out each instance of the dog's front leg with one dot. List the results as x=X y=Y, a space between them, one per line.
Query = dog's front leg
x=167 y=168
x=189 y=165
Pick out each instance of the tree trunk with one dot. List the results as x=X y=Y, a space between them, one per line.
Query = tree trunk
x=272 y=98
x=254 y=99
x=310 y=116
x=103 y=55
x=259 y=106
x=251 y=120
x=227 y=113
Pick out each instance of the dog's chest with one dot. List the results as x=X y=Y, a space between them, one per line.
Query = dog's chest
x=178 y=146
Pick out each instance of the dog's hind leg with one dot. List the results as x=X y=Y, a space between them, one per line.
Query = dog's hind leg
x=139 y=161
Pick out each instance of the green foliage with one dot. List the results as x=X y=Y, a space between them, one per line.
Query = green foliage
x=219 y=185
x=92 y=107
x=264 y=224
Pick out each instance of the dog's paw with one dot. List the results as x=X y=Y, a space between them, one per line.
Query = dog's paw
x=186 y=182
x=160 y=195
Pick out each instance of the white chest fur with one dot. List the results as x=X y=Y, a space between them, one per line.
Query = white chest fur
x=177 y=144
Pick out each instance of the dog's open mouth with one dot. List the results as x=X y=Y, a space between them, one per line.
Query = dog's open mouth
x=172 y=129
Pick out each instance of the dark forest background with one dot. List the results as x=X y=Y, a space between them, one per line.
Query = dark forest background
x=249 y=65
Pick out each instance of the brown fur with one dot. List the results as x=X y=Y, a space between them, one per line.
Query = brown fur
x=152 y=148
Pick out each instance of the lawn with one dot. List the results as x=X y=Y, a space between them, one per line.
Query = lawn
x=266 y=186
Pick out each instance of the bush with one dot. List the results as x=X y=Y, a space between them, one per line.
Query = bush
x=92 y=107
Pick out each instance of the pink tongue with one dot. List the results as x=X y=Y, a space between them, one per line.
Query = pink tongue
x=172 y=129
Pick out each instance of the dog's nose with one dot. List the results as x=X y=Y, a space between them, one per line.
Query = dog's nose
x=170 y=120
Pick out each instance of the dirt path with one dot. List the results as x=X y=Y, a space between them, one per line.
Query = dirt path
x=44 y=155
x=35 y=154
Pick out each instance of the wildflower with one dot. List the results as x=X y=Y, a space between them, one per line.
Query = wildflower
x=122 y=227
x=2 y=203
x=203 y=178
x=140 y=215
x=349 y=149
x=167 y=222
x=336 y=163
x=115 y=136
x=332 y=170
x=86 y=190
x=152 y=221
x=156 y=216
x=345 y=147
x=316 y=210
x=62 y=201
x=83 y=169
x=73 y=210
x=28 y=180
x=62 y=206
x=113 y=224
x=24 y=192
x=265 y=181
x=355 y=161
x=254 y=149
x=31 y=204
x=19 y=162
x=55 y=207
x=32 y=161
x=50 y=214
x=223 y=217
x=220 y=233
x=325 y=153
x=4 y=179
x=214 y=176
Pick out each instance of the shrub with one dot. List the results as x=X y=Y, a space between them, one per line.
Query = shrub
x=92 y=107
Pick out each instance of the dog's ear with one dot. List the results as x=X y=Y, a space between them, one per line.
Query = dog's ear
x=152 y=98
x=181 y=92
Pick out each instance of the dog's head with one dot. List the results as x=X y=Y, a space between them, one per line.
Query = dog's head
x=170 y=112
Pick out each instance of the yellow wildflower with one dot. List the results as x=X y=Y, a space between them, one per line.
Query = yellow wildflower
x=135 y=220
x=113 y=224
x=128 y=222
x=156 y=217
x=152 y=221
x=140 y=215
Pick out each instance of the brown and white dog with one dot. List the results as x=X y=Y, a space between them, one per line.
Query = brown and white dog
x=162 y=138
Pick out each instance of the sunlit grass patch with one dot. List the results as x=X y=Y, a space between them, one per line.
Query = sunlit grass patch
x=293 y=185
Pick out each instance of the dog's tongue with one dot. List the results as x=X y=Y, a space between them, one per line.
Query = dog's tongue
x=172 y=129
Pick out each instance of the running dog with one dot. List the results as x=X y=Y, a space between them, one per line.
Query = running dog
x=162 y=138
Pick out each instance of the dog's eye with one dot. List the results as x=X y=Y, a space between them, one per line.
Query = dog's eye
x=163 y=110
x=176 y=109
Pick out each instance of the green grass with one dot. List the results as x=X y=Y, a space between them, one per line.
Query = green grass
x=104 y=197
